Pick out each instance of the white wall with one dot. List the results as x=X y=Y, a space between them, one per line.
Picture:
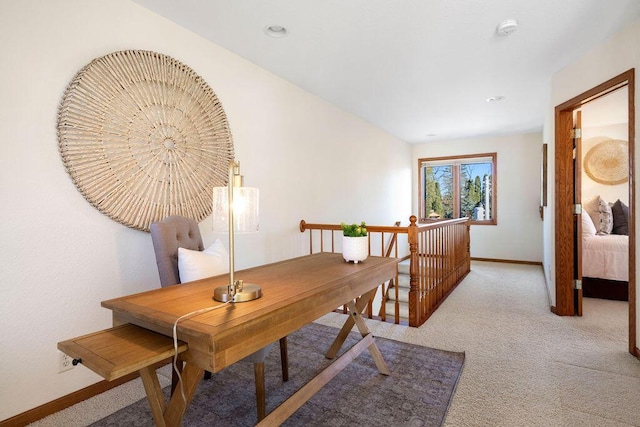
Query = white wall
x=61 y=257
x=609 y=59
x=518 y=234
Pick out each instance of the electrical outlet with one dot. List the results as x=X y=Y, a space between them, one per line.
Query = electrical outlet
x=64 y=362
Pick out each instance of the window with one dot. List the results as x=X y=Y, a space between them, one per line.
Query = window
x=459 y=186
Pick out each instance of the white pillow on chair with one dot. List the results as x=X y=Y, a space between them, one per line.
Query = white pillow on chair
x=195 y=265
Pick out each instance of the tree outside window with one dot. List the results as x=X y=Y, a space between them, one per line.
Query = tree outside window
x=457 y=187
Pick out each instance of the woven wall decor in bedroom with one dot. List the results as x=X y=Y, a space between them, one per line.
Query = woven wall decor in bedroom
x=144 y=137
x=608 y=162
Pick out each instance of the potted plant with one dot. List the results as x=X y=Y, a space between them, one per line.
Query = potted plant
x=355 y=244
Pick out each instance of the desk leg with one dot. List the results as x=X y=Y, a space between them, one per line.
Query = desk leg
x=154 y=394
x=373 y=348
x=360 y=305
x=170 y=416
x=293 y=403
x=355 y=308
x=191 y=375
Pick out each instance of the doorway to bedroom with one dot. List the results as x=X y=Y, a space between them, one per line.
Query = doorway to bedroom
x=602 y=169
x=568 y=164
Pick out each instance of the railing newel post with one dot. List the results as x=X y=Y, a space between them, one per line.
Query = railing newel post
x=414 y=297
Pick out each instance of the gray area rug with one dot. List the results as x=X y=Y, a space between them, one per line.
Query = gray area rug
x=417 y=393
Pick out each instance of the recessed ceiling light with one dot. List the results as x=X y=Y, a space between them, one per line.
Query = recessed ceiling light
x=507 y=27
x=495 y=98
x=276 y=31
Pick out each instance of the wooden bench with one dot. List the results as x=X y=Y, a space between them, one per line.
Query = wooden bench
x=121 y=350
x=118 y=351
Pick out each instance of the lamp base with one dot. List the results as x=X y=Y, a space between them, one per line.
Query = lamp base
x=249 y=293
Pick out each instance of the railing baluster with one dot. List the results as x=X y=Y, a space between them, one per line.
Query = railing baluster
x=333 y=241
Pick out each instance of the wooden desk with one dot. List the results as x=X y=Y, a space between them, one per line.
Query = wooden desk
x=295 y=293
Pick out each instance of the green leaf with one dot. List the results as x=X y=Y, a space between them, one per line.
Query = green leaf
x=354 y=230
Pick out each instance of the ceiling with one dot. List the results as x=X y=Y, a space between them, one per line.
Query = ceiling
x=422 y=70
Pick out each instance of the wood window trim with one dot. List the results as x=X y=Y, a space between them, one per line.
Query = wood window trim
x=456 y=183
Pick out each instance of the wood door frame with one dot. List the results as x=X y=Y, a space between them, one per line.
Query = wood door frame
x=577 y=226
x=564 y=195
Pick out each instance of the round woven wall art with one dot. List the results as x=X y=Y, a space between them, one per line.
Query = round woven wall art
x=608 y=162
x=144 y=137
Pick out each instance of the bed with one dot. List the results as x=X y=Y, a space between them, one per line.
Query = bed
x=605 y=260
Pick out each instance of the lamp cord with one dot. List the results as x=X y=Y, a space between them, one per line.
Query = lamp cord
x=175 y=341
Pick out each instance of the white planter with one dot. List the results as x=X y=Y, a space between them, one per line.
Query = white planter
x=355 y=249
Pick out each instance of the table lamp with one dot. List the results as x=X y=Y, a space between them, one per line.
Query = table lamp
x=235 y=210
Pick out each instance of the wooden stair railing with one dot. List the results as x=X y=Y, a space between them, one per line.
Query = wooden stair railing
x=439 y=254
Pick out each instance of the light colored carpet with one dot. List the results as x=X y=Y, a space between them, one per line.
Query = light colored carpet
x=524 y=366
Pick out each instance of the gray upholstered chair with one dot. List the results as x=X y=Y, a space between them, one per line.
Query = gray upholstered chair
x=179 y=232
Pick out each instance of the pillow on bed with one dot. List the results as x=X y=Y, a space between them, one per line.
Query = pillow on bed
x=588 y=229
x=194 y=265
x=600 y=213
x=620 y=213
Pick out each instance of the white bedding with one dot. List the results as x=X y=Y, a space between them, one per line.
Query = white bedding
x=605 y=256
